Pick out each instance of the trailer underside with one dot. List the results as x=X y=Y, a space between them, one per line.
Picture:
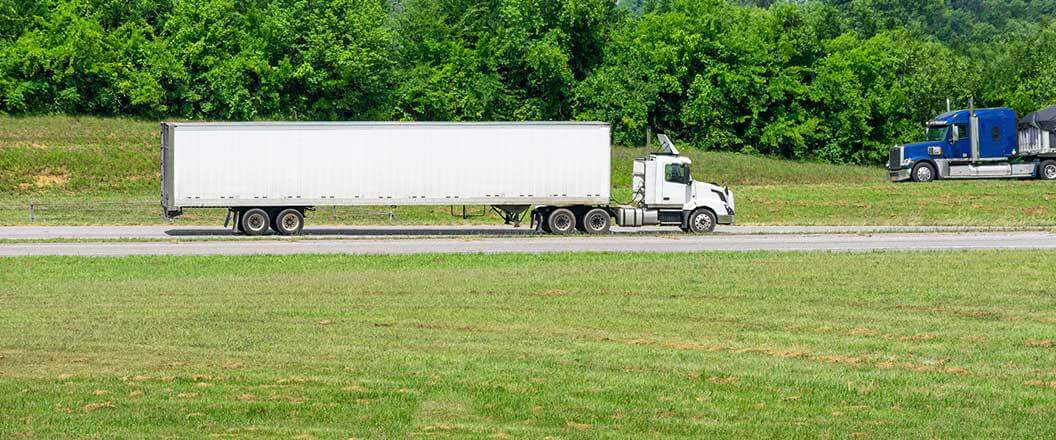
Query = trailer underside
x=555 y=219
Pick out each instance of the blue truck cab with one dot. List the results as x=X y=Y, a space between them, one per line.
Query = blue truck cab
x=964 y=144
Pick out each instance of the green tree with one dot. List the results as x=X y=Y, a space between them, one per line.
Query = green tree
x=333 y=59
x=497 y=59
x=1019 y=73
x=68 y=62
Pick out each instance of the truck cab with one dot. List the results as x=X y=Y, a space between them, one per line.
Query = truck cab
x=963 y=144
x=666 y=194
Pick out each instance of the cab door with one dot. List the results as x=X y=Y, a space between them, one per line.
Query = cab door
x=960 y=142
x=675 y=187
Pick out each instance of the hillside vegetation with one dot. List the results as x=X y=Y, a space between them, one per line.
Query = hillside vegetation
x=88 y=156
x=823 y=80
x=753 y=345
x=105 y=171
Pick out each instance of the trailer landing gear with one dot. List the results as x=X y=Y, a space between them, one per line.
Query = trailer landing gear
x=512 y=214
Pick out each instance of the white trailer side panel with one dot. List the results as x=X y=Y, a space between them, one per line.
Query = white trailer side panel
x=308 y=164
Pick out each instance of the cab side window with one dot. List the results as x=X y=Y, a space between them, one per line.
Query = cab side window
x=676 y=173
x=962 y=129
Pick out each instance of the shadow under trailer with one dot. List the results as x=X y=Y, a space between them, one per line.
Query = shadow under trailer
x=269 y=175
x=980 y=144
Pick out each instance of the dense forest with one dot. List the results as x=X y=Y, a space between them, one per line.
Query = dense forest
x=829 y=80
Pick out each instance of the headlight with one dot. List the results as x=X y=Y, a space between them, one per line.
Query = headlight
x=906 y=162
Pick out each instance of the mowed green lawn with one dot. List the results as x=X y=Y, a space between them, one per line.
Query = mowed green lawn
x=873 y=345
x=105 y=171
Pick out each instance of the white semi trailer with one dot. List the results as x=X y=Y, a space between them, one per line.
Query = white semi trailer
x=268 y=175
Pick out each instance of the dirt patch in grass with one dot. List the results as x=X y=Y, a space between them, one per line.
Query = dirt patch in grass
x=47 y=179
x=836 y=359
x=862 y=331
x=551 y=292
x=920 y=337
x=97 y=406
x=1041 y=384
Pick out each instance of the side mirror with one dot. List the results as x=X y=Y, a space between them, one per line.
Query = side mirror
x=956 y=136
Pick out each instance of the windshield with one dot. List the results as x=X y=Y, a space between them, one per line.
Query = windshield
x=936 y=133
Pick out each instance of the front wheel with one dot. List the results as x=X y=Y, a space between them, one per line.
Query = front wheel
x=923 y=172
x=702 y=221
x=1047 y=170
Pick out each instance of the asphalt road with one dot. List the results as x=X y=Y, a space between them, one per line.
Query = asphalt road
x=490 y=240
x=164 y=232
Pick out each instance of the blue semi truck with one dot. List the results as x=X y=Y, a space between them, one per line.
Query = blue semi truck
x=979 y=144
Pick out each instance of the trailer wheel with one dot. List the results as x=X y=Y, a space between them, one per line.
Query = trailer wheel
x=597 y=221
x=1047 y=170
x=289 y=222
x=923 y=172
x=702 y=221
x=561 y=221
x=255 y=222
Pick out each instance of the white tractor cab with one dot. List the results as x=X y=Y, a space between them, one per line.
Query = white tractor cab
x=666 y=194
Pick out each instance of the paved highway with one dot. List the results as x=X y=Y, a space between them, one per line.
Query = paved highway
x=489 y=240
x=164 y=232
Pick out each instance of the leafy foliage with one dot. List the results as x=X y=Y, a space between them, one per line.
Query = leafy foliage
x=829 y=80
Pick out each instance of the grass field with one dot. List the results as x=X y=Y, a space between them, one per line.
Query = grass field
x=105 y=171
x=880 y=345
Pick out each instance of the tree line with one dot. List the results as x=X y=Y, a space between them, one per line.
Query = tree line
x=830 y=80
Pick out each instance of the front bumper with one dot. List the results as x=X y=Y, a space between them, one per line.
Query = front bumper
x=898 y=175
x=726 y=219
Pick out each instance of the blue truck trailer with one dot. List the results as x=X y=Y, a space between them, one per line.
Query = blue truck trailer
x=980 y=144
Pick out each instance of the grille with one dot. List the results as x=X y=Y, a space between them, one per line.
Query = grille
x=894 y=161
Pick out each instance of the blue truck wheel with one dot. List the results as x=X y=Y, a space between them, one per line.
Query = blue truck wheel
x=923 y=172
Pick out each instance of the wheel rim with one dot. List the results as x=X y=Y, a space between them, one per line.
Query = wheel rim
x=1050 y=171
x=597 y=222
x=924 y=174
x=289 y=222
x=255 y=222
x=702 y=222
x=562 y=222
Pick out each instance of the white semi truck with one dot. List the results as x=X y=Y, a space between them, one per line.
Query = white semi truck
x=268 y=175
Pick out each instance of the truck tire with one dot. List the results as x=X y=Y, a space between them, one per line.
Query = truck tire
x=255 y=222
x=923 y=172
x=561 y=221
x=288 y=222
x=702 y=221
x=597 y=221
x=1047 y=170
